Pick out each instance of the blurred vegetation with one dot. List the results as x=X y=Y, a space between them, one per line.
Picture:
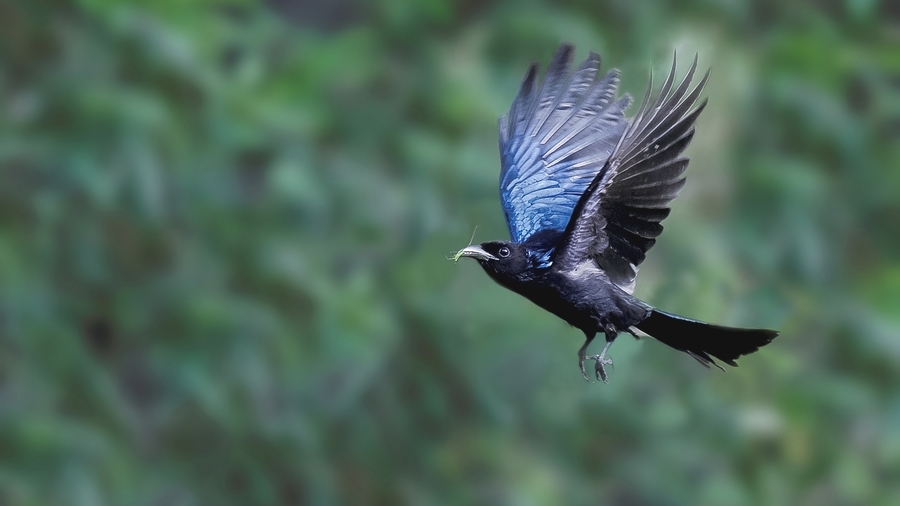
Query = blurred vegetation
x=223 y=229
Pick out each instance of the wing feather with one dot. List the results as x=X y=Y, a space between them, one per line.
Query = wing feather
x=618 y=217
x=556 y=76
x=553 y=142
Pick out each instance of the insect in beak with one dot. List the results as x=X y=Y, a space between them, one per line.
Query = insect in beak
x=475 y=252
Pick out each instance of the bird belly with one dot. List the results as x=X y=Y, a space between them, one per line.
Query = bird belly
x=590 y=301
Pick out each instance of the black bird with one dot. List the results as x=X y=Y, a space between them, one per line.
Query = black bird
x=584 y=191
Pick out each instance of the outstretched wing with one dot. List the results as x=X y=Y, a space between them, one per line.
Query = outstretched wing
x=553 y=142
x=618 y=217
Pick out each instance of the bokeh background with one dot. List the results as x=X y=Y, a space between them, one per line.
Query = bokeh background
x=223 y=230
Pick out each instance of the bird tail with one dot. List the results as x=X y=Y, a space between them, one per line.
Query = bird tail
x=703 y=340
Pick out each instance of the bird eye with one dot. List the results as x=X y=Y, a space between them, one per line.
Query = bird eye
x=504 y=252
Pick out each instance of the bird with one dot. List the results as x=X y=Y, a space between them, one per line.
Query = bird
x=584 y=191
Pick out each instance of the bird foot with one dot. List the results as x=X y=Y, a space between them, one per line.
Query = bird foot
x=599 y=369
x=583 y=372
x=599 y=362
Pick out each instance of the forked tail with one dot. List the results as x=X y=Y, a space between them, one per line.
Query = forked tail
x=703 y=340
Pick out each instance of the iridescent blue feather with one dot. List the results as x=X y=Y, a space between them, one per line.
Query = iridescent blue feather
x=554 y=141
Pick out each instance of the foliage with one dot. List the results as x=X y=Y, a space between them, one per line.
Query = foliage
x=223 y=229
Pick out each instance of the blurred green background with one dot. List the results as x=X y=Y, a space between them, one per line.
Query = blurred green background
x=223 y=229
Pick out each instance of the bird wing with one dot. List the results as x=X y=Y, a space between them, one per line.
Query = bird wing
x=618 y=217
x=554 y=140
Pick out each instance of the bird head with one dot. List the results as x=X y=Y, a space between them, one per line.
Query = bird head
x=501 y=259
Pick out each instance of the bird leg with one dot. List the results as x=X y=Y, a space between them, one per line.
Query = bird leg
x=601 y=360
x=581 y=354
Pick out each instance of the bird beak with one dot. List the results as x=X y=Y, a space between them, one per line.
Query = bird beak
x=475 y=252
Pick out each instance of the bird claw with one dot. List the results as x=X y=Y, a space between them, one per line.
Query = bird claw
x=583 y=372
x=599 y=369
x=599 y=361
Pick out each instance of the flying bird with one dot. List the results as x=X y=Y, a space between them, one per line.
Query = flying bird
x=584 y=190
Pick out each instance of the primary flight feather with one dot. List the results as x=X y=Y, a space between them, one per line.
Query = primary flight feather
x=584 y=191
